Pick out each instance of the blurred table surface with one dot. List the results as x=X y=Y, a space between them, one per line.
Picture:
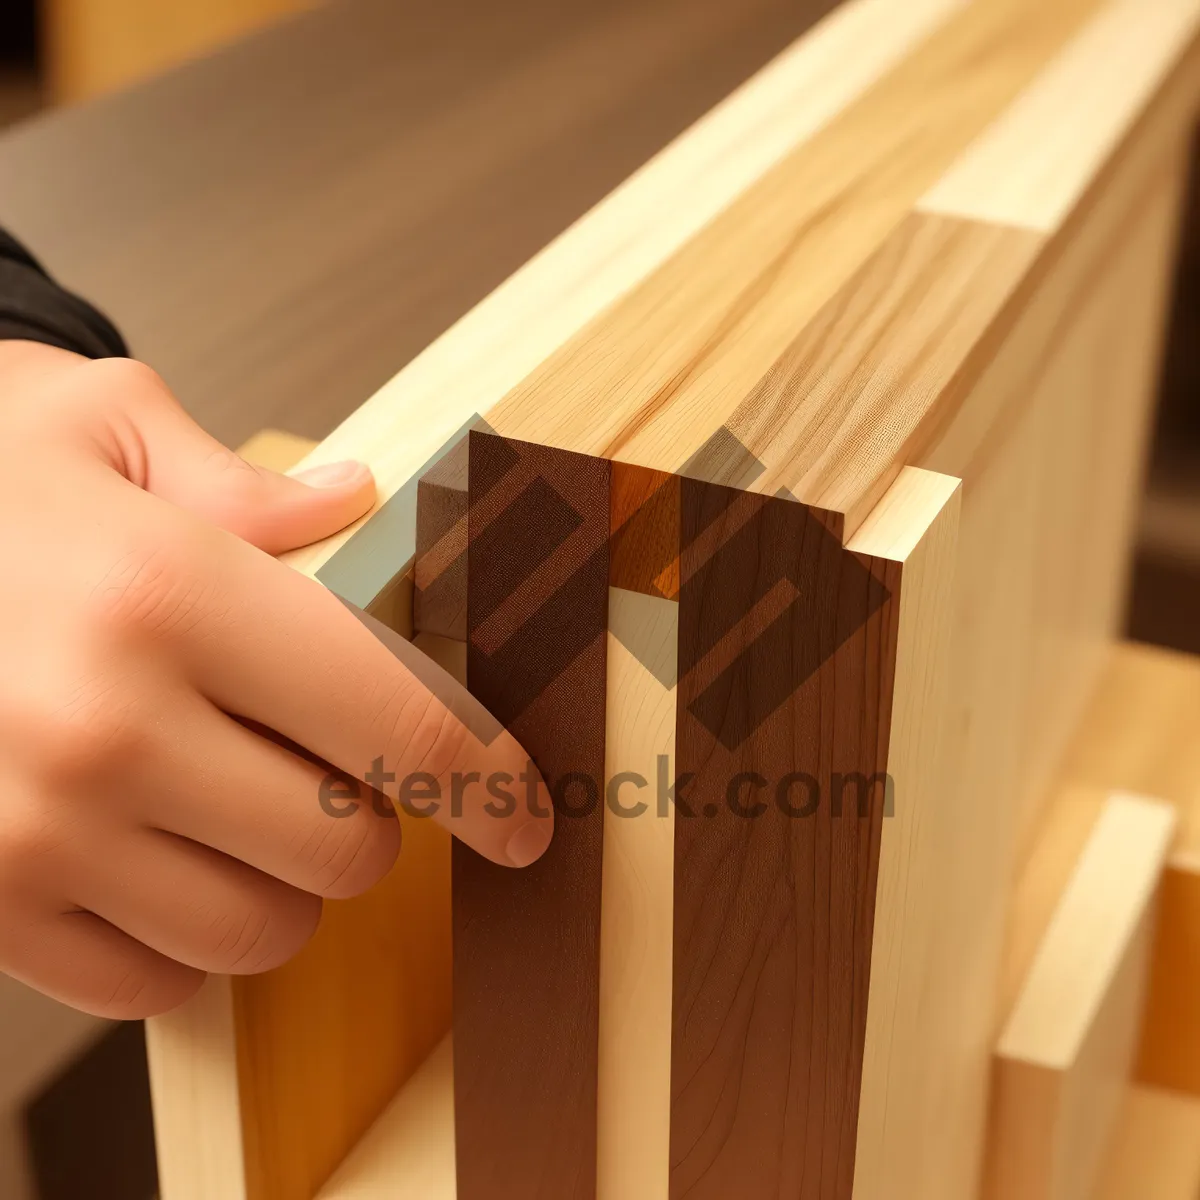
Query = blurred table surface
x=282 y=226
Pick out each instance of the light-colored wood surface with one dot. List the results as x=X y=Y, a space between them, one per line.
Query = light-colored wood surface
x=408 y=1154
x=1065 y=126
x=296 y=1113
x=1064 y=1057
x=1155 y=1153
x=1020 y=360
x=634 y=1076
x=625 y=238
x=94 y=46
x=196 y=1088
x=907 y=1059
x=1140 y=734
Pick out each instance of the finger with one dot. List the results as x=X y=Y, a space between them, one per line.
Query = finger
x=81 y=960
x=219 y=784
x=279 y=649
x=165 y=452
x=195 y=905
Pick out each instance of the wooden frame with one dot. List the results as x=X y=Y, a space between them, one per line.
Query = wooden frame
x=896 y=280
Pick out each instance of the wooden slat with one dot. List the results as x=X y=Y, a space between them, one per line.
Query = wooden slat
x=1066 y=1051
x=1139 y=734
x=909 y=1061
x=634 y=1081
x=527 y=943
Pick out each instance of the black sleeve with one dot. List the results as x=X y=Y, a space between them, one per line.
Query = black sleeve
x=34 y=308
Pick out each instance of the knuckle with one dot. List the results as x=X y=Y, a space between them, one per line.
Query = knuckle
x=151 y=590
x=32 y=833
x=345 y=856
x=89 y=731
x=133 y=378
x=419 y=731
x=261 y=935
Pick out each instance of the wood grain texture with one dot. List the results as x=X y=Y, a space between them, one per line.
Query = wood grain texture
x=1035 y=163
x=909 y=1061
x=786 y=658
x=1065 y=1054
x=634 y=1078
x=527 y=943
x=698 y=334
x=622 y=240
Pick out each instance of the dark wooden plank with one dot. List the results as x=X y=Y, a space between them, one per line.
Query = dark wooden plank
x=280 y=227
x=526 y=943
x=787 y=653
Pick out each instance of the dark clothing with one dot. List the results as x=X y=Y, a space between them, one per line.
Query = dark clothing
x=34 y=308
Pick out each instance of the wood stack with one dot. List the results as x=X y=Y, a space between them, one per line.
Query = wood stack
x=805 y=467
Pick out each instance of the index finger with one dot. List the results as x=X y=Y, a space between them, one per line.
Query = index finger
x=278 y=648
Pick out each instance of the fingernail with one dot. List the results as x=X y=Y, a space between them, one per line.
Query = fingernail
x=529 y=843
x=331 y=475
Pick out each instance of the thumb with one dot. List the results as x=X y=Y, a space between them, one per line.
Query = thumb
x=172 y=457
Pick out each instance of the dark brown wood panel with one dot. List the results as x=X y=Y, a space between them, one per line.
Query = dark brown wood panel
x=279 y=228
x=527 y=943
x=786 y=657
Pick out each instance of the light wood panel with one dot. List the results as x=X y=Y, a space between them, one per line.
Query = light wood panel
x=908 y=1061
x=1066 y=1051
x=634 y=231
x=1139 y=733
x=984 y=353
x=239 y=1111
x=1156 y=1151
x=408 y=1154
x=634 y=1079
x=699 y=334
x=195 y=1083
x=1035 y=163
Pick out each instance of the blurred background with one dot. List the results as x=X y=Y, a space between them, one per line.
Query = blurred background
x=74 y=1099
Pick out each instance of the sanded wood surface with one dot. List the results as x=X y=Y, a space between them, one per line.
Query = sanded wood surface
x=1065 y=1055
x=787 y=338
x=1140 y=734
x=1156 y=1151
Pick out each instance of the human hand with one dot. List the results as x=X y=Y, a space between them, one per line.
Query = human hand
x=151 y=827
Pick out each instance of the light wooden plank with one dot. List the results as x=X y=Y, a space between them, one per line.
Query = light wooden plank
x=197 y=1097
x=1139 y=734
x=685 y=348
x=1065 y=1054
x=634 y=1081
x=611 y=249
x=408 y=1154
x=1034 y=164
x=908 y=1060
